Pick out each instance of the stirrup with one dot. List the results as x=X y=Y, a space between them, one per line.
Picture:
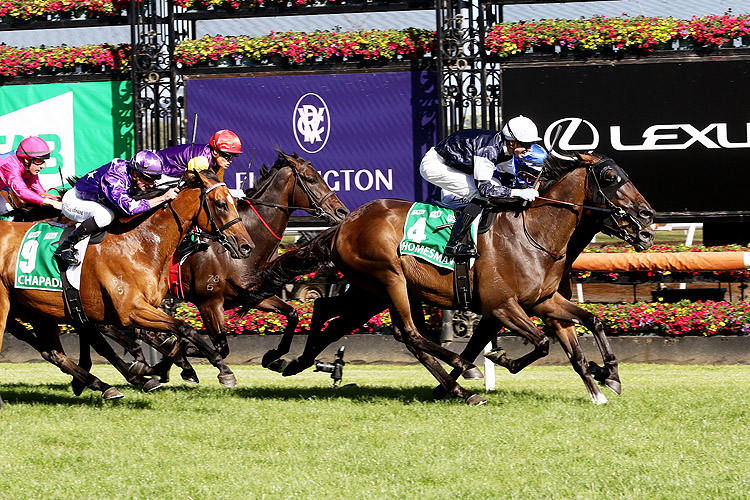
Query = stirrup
x=67 y=256
x=461 y=250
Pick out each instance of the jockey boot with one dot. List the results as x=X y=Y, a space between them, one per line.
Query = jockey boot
x=454 y=248
x=66 y=253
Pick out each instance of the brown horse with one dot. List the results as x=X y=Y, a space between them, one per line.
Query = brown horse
x=523 y=257
x=213 y=281
x=125 y=277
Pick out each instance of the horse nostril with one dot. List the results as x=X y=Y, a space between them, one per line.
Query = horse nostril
x=246 y=248
x=342 y=212
x=646 y=214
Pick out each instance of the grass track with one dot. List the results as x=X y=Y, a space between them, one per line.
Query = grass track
x=678 y=432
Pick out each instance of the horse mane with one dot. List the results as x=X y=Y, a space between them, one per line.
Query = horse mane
x=264 y=174
x=555 y=168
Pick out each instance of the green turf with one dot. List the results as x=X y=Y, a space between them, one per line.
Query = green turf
x=677 y=432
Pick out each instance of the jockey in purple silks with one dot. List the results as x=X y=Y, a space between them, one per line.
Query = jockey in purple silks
x=98 y=195
x=19 y=172
x=217 y=155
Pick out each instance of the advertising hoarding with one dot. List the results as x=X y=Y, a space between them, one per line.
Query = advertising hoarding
x=87 y=124
x=680 y=129
x=365 y=132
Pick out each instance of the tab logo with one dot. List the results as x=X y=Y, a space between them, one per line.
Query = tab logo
x=311 y=123
x=52 y=120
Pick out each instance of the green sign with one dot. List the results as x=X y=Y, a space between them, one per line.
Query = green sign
x=86 y=124
x=36 y=269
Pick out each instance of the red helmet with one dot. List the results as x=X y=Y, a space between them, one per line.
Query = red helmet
x=33 y=147
x=226 y=141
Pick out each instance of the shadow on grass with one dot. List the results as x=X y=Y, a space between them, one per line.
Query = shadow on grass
x=58 y=394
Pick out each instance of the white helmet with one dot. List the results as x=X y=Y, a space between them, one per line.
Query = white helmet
x=521 y=129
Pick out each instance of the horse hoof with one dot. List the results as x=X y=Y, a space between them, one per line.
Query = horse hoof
x=292 y=368
x=439 y=393
x=78 y=387
x=112 y=393
x=139 y=368
x=228 y=380
x=189 y=375
x=599 y=399
x=614 y=386
x=475 y=400
x=151 y=385
x=495 y=355
x=278 y=366
x=269 y=358
x=473 y=374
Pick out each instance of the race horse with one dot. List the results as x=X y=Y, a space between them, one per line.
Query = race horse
x=214 y=282
x=124 y=277
x=524 y=255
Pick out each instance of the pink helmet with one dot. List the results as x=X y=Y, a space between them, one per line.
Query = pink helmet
x=33 y=147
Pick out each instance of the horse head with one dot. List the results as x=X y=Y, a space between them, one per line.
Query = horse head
x=218 y=214
x=616 y=204
x=311 y=191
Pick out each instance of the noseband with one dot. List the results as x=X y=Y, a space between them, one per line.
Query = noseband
x=603 y=196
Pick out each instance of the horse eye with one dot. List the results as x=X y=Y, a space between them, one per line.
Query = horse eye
x=221 y=205
x=609 y=175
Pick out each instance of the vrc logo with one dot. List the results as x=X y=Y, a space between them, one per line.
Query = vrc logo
x=311 y=123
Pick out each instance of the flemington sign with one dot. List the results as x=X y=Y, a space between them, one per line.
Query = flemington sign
x=365 y=132
x=680 y=129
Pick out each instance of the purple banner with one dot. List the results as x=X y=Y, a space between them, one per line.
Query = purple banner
x=365 y=132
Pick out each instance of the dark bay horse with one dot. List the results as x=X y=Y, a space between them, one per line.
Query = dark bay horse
x=125 y=276
x=214 y=282
x=523 y=258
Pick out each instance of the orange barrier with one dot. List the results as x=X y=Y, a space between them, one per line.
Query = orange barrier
x=676 y=261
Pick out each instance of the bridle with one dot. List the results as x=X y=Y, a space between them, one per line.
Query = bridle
x=217 y=232
x=602 y=199
x=316 y=208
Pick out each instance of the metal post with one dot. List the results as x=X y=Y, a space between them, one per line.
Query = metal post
x=446 y=333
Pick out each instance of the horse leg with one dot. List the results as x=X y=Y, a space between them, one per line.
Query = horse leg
x=172 y=353
x=212 y=314
x=568 y=337
x=562 y=309
x=139 y=366
x=482 y=335
x=84 y=361
x=272 y=359
x=401 y=315
x=353 y=308
x=96 y=340
x=513 y=317
x=149 y=317
x=51 y=349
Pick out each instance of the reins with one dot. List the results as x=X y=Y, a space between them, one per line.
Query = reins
x=317 y=205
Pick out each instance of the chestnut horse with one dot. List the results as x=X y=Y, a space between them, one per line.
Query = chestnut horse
x=125 y=276
x=214 y=282
x=523 y=258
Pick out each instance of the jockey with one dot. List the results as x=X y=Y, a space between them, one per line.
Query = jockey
x=217 y=155
x=96 y=196
x=464 y=166
x=19 y=172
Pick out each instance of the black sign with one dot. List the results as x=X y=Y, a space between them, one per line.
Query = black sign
x=680 y=129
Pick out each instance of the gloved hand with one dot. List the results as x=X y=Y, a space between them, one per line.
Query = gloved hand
x=528 y=194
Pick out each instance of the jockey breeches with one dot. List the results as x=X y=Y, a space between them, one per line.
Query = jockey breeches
x=76 y=208
x=435 y=171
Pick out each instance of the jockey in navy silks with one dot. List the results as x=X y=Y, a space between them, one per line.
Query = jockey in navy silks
x=473 y=166
x=100 y=194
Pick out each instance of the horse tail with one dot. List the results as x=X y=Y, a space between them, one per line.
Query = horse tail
x=268 y=281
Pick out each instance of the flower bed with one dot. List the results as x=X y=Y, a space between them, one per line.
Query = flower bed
x=44 y=9
x=643 y=34
x=683 y=318
x=298 y=48
x=87 y=58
